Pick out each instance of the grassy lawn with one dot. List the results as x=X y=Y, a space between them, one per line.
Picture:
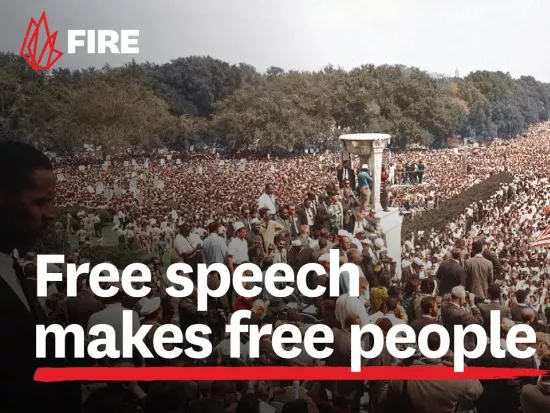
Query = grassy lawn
x=110 y=238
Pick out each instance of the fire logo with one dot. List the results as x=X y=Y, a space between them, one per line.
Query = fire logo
x=40 y=57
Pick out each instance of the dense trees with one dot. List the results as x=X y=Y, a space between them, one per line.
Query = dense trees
x=205 y=101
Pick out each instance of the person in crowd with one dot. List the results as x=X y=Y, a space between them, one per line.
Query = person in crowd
x=535 y=398
x=27 y=192
x=479 y=271
x=168 y=225
x=346 y=173
x=429 y=395
x=364 y=182
x=428 y=306
x=493 y=295
x=454 y=313
x=502 y=395
x=450 y=273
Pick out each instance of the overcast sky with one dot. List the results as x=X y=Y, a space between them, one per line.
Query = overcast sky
x=435 y=35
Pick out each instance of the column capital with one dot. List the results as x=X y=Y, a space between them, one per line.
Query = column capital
x=379 y=144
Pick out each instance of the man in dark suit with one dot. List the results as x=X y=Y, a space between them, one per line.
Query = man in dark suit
x=307 y=214
x=27 y=190
x=494 y=305
x=428 y=305
x=450 y=273
x=453 y=313
x=488 y=254
x=323 y=213
x=346 y=173
x=479 y=271
x=77 y=310
x=345 y=393
x=521 y=298
x=328 y=314
x=502 y=396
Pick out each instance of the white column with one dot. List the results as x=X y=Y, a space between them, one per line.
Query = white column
x=391 y=222
x=376 y=169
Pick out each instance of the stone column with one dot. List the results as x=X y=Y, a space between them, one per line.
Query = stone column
x=376 y=159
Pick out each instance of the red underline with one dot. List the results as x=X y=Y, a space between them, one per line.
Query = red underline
x=46 y=374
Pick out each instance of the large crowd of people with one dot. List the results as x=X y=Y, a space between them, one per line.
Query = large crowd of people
x=207 y=209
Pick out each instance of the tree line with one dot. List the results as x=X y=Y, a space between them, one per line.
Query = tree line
x=202 y=101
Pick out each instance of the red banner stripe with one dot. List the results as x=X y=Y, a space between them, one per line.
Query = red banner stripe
x=276 y=373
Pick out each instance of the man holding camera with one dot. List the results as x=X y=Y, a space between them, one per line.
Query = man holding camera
x=456 y=312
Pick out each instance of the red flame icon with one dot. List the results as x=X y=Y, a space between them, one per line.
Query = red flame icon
x=48 y=52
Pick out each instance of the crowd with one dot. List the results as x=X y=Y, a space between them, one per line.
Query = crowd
x=172 y=187
x=294 y=211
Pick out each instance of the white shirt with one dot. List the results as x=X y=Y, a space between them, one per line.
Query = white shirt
x=394 y=320
x=310 y=214
x=225 y=350
x=280 y=257
x=346 y=305
x=214 y=249
x=186 y=244
x=112 y=315
x=238 y=249
x=7 y=272
x=267 y=201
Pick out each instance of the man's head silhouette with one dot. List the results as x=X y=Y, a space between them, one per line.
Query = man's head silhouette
x=27 y=191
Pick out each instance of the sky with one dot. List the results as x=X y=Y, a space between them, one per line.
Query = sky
x=435 y=35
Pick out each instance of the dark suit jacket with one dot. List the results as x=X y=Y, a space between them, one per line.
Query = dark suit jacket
x=419 y=323
x=298 y=260
x=486 y=313
x=450 y=274
x=452 y=315
x=19 y=392
x=331 y=321
x=292 y=228
x=491 y=256
x=341 y=357
x=501 y=395
x=302 y=214
x=323 y=216
x=77 y=310
x=516 y=313
x=351 y=177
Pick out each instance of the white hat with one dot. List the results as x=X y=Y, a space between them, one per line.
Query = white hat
x=343 y=233
x=364 y=166
x=379 y=242
x=324 y=258
x=149 y=305
x=255 y=221
x=238 y=226
x=366 y=241
x=297 y=243
x=383 y=249
x=418 y=261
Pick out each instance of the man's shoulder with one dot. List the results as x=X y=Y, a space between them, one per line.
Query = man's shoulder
x=423 y=321
x=479 y=260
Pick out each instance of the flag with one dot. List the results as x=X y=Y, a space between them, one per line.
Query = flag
x=543 y=240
